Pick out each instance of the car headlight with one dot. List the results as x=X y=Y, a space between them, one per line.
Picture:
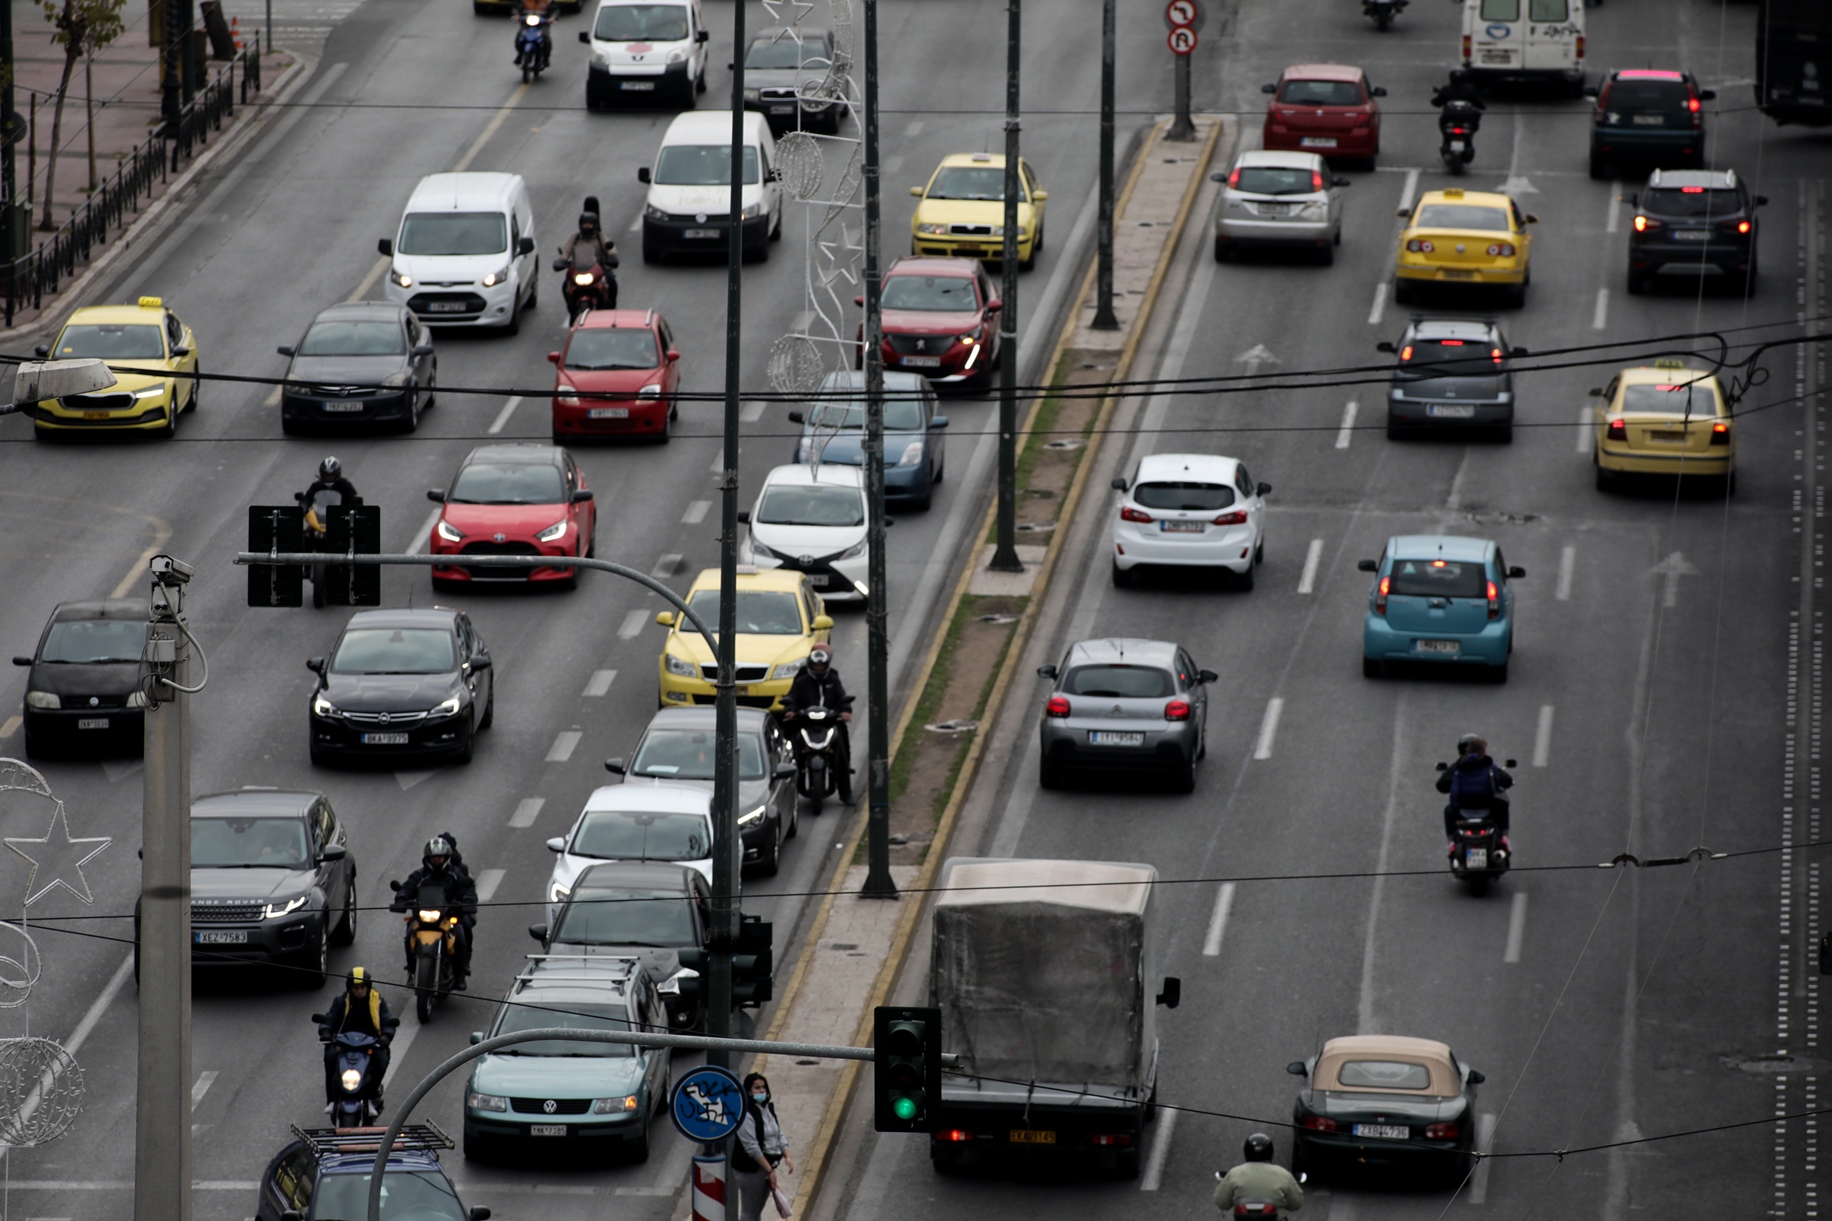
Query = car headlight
x=678 y=55
x=912 y=454
x=402 y=278
x=352 y=1080
x=395 y=380
x=151 y=392
x=752 y=211
x=322 y=706
x=753 y=95
x=497 y=277
x=486 y=1102
x=931 y=228
x=615 y=1106
x=447 y=707
x=651 y=212
x=649 y=392
x=753 y=818
x=568 y=395
x=448 y=532
x=788 y=669
x=557 y=893
x=856 y=550
x=286 y=907
x=679 y=666
x=804 y=450
x=555 y=531
x=42 y=699
x=973 y=336
x=136 y=699
x=601 y=58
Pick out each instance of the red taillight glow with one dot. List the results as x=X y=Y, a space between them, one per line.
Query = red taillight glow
x=1644 y=223
x=1128 y=513
x=1495 y=355
x=1316 y=181
x=1319 y=1123
x=1494 y=601
x=1236 y=518
x=1742 y=226
x=1580 y=46
x=1058 y=706
x=1501 y=250
x=1466 y=48
x=1618 y=431
x=1177 y=710
x=1450 y=343
x=1420 y=245
x=954 y=1134
x=1437 y=563
x=1380 y=595
x=1441 y=1131
x=1693 y=105
x=1234 y=177
x=1110 y=1140
x=1405 y=353
x=1720 y=433
x=1692 y=190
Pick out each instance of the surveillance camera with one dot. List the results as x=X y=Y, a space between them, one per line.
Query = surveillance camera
x=169 y=571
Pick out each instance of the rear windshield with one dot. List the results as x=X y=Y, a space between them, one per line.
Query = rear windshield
x=811 y=506
x=1186 y=495
x=641 y=23
x=93 y=641
x=1691 y=202
x=900 y=414
x=1438 y=579
x=1670 y=399
x=612 y=348
x=1274 y=180
x=511 y=483
x=1384 y=1075
x=354 y=339
x=1548 y=10
x=702 y=165
x=1450 y=358
x=953 y=293
x=1461 y=216
x=621 y=836
x=1642 y=94
x=454 y=233
x=569 y=1015
x=687 y=754
x=110 y=342
x=1127 y=682
x=627 y=917
x=254 y=843
x=784 y=52
x=1320 y=93
x=1501 y=10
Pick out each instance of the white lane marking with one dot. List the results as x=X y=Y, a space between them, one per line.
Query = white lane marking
x=1517 y=927
x=123 y=1185
x=273 y=398
x=10 y=726
x=1269 y=727
x=1612 y=219
x=1567 y=563
x=563 y=746
x=1586 y=418
x=1218 y=922
x=205 y=1080
x=110 y=990
x=1380 y=304
x=368 y=281
x=526 y=811
x=752 y=411
x=1454 y=500
x=632 y=624
x=483 y=138
x=892 y=164
x=424 y=539
x=1600 y=318
x=408 y=779
x=912 y=131
x=1542 y=740
x=1347 y=430
x=636 y=225
x=667 y=566
x=1160 y=1151
x=1307 y=582
x=718 y=461
x=1364 y=1010
x=502 y=417
x=1410 y=189
x=600 y=683
x=696 y=512
x=487 y=882
x=1485 y=1131
x=403 y=1039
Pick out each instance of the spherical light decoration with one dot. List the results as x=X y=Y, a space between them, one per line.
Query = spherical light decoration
x=41 y=1091
x=795 y=365
x=799 y=161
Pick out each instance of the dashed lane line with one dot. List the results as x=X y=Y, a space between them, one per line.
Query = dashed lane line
x=526 y=811
x=752 y=411
x=502 y=417
x=1567 y=563
x=632 y=624
x=1542 y=740
x=564 y=745
x=1218 y=920
x=1347 y=432
x=1479 y=1178
x=696 y=512
x=1517 y=928
x=10 y=726
x=423 y=540
x=1586 y=417
x=1160 y=1152
x=600 y=683
x=1313 y=556
x=1612 y=216
x=1380 y=303
x=1600 y=318
x=487 y=882
x=1269 y=727
x=205 y=1080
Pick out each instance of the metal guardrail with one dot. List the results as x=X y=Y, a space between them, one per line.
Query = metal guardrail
x=26 y=283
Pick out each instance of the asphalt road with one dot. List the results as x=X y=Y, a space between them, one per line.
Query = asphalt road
x=267 y=239
x=1652 y=705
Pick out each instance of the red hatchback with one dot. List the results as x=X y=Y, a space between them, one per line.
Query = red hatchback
x=1324 y=108
x=940 y=319
x=628 y=354
x=514 y=499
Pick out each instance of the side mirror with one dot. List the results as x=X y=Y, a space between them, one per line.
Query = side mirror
x=1296 y=1068
x=1046 y=671
x=585 y=37
x=1041 y=196
x=616 y=766
x=557 y=844
x=315 y=664
x=702 y=36
x=744 y=516
x=1385 y=345
x=783 y=771
x=1264 y=489
x=1443 y=767
x=1516 y=572
x=824 y=623
x=525 y=246
x=1404 y=214
x=1118 y=485
x=1519 y=352
x=43 y=349
x=1510 y=763
x=1207 y=676
x=993 y=307
x=1532 y=219
x=476 y=1037
x=1340 y=181
x=1172 y=996
x=665 y=618
x=1595 y=392
x=940 y=421
x=916 y=191
x=285 y=349
x=1218 y=176
x=333 y=852
x=1367 y=565
x=1632 y=199
x=1707 y=95
x=859 y=300
x=581 y=495
x=292 y=1214
x=672 y=355
x=480 y=663
x=424 y=349
x=553 y=358
x=642 y=174
x=385 y=248
x=391 y=1023
x=436 y=495
x=394 y=884
x=180 y=351
x=560 y=264
x=731 y=65
x=318 y=1017
x=538 y=932
x=1476 y=1077
x=1591 y=91
x=1269 y=88
x=796 y=417
x=480 y=1213
x=1379 y=91
x=1761 y=200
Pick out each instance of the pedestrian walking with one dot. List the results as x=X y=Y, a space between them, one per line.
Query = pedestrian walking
x=760 y=1151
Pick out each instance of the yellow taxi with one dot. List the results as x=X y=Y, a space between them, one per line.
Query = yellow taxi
x=1464 y=237
x=144 y=345
x=1665 y=419
x=962 y=213
x=780 y=618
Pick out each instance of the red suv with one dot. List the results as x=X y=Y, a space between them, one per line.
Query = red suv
x=628 y=354
x=940 y=319
x=1324 y=108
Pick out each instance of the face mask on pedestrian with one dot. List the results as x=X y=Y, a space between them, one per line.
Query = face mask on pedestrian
x=760 y=1096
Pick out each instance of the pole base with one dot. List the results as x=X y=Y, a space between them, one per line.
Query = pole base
x=878 y=885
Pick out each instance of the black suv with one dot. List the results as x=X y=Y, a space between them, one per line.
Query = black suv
x=1453 y=374
x=1648 y=116
x=1691 y=224
x=324 y=1173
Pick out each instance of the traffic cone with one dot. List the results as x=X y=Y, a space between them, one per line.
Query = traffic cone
x=235 y=31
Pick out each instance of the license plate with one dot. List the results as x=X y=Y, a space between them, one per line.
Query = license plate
x=609 y=413
x=229 y=936
x=1457 y=146
x=1651 y=120
x=1108 y=737
x=783 y=108
x=1317 y=142
x=1497 y=57
x=1450 y=411
x=384 y=739
x=343 y=406
x=1385 y=1131
x=1181 y=527
x=92 y=722
x=970 y=252
x=1452 y=273
x=1272 y=209
x=1691 y=235
x=1475 y=858
x=819 y=580
x=1032 y=1136
x=1666 y=436
x=445 y=307
x=698 y=233
x=922 y=362
x=547 y=1129
x=95 y=415
x=1446 y=648
x=631 y=87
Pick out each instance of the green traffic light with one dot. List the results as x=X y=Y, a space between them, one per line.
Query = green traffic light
x=904 y=1107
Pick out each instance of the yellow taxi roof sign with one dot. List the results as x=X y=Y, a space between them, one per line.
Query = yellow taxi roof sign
x=1669 y=363
x=1452 y=193
x=152 y=302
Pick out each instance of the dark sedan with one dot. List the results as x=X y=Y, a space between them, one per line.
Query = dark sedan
x=363 y=362
x=83 y=693
x=402 y=684
x=1452 y=375
x=788 y=75
x=1377 y=1101
x=642 y=908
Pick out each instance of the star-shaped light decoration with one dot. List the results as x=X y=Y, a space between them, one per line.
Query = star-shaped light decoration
x=61 y=856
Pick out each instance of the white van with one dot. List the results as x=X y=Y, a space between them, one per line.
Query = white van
x=1525 y=40
x=646 y=51
x=689 y=204
x=464 y=254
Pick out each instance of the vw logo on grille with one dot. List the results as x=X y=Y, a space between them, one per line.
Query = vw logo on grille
x=501 y=537
x=94 y=702
x=550 y=1106
x=384 y=718
x=700 y=217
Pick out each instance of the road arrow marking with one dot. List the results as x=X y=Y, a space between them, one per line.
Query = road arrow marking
x=1672 y=568
x=1256 y=356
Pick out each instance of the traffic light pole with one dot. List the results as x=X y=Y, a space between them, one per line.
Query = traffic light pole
x=1005 y=548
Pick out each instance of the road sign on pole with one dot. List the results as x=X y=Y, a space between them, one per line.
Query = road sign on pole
x=1184 y=12
x=1182 y=40
x=707 y=1104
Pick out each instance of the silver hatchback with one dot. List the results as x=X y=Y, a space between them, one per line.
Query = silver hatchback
x=1273 y=198
x=1125 y=705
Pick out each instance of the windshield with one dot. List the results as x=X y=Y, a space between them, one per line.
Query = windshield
x=622 y=835
x=1118 y=682
x=641 y=23
x=269 y=843
x=953 y=293
x=687 y=754
x=408 y=1195
x=900 y=415
x=565 y=1015
x=1320 y=93
x=627 y=917
x=394 y=650
x=511 y=483
x=810 y=505
x=1450 y=358
x=454 y=233
x=600 y=347
x=93 y=641
x=769 y=51
x=354 y=339
x=1676 y=399
x=1638 y=94
x=1184 y=495
x=106 y=342
x=1384 y=1075
x=1461 y=216
x=702 y=165
x=1691 y=202
x=1438 y=579
x=968 y=182
x=761 y=612
x=1275 y=180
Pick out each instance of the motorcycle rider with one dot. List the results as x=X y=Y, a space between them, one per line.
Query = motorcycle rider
x=544 y=10
x=819 y=683
x=1474 y=783
x=330 y=479
x=591 y=234
x=1259 y=1178
x=361 y=1009
x=439 y=864
x=1460 y=88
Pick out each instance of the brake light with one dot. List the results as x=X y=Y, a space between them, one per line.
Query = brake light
x=1177 y=710
x=1316 y=181
x=1459 y=131
x=1494 y=600
x=1580 y=48
x=1405 y=353
x=1057 y=707
x=1692 y=104
x=1450 y=343
x=1618 y=431
x=1495 y=355
x=1437 y=563
x=1420 y=245
x=1128 y=513
x=1720 y=433
x=1441 y=1131
x=1236 y=518
x=1645 y=223
x=1234 y=177
x=1466 y=48
x=1380 y=595
x=1692 y=190
x=1322 y=1123
x=1501 y=250
x=954 y=1134
x=1112 y=1140
x=1735 y=226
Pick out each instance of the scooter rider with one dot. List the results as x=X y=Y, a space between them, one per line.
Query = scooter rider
x=1259 y=1178
x=590 y=233
x=1460 y=88
x=330 y=479
x=1474 y=783
x=544 y=10
x=361 y=1009
x=437 y=864
x=819 y=683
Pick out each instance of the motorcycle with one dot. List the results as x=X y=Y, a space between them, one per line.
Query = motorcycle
x=588 y=283
x=356 y=1104
x=1257 y=1210
x=1382 y=11
x=1457 y=124
x=317 y=515
x=533 y=46
x=816 y=746
x=1480 y=853
x=432 y=944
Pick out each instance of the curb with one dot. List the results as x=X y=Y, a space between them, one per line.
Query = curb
x=821 y=1145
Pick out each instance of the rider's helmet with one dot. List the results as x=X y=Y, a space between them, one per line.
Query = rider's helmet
x=1459 y=76
x=330 y=468
x=819 y=658
x=1258 y=1148
x=359 y=978
x=438 y=854
x=1469 y=744
x=588 y=224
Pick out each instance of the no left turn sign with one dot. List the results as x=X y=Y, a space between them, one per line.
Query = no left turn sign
x=1180 y=12
x=1182 y=40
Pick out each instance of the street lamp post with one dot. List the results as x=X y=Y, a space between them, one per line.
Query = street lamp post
x=1005 y=550
x=1104 y=319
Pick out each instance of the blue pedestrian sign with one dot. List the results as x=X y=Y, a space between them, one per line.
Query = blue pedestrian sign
x=707 y=1104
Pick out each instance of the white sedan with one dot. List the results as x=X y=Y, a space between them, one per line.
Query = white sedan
x=811 y=519
x=1189 y=511
x=622 y=822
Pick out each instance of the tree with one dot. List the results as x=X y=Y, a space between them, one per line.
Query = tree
x=81 y=27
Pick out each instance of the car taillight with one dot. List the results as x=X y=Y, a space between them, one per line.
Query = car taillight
x=1494 y=600
x=1441 y=1131
x=1466 y=48
x=1380 y=595
x=1058 y=706
x=1692 y=104
x=1316 y=181
x=1720 y=433
x=1501 y=250
x=1459 y=131
x=1735 y=226
x=1580 y=47
x=1645 y=223
x=955 y=1135
x=1405 y=353
x=1110 y=1140
x=1234 y=177
x=1692 y=190
x=1618 y=431
x=1321 y=1123
x=1495 y=355
x=1177 y=710
x=1420 y=245
x=1236 y=518
x=1128 y=513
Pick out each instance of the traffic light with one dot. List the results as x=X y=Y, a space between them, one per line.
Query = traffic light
x=275 y=528
x=693 y=987
x=353 y=584
x=752 y=962
x=906 y=1077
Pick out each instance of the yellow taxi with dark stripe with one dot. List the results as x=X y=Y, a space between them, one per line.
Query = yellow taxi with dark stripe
x=780 y=618
x=1464 y=237
x=1665 y=419
x=144 y=345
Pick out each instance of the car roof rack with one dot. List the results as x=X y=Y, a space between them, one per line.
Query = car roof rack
x=617 y=969
x=422 y=1137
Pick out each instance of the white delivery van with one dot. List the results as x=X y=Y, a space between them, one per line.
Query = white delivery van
x=689 y=205
x=1525 y=40
x=464 y=253
x=651 y=52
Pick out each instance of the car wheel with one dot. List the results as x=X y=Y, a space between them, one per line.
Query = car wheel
x=1372 y=667
x=667 y=429
x=196 y=389
x=651 y=253
x=1395 y=432
x=1122 y=577
x=1498 y=674
x=1259 y=552
x=945 y=1163
x=1637 y=284
x=773 y=866
x=318 y=965
x=1183 y=777
x=924 y=502
x=1244 y=579
x=468 y=749
x=1126 y=1164
x=1403 y=292
x=1606 y=480
x=319 y=758
x=171 y=420
x=1504 y=434
x=534 y=296
x=346 y=926
x=476 y=1149
x=794 y=820
x=776 y=229
x=639 y=1147
x=1749 y=283
x=489 y=711
x=514 y=325
x=413 y=415
x=288 y=428
x=1221 y=251
x=1599 y=168
x=1325 y=256
x=1049 y=776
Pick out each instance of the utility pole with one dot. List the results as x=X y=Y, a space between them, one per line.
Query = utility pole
x=171 y=83
x=1005 y=553
x=13 y=226
x=1103 y=276
x=878 y=884
x=162 y=1133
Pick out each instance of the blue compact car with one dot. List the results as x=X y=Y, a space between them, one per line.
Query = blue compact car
x=833 y=430
x=1440 y=598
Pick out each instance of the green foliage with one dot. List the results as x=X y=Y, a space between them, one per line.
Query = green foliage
x=83 y=27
